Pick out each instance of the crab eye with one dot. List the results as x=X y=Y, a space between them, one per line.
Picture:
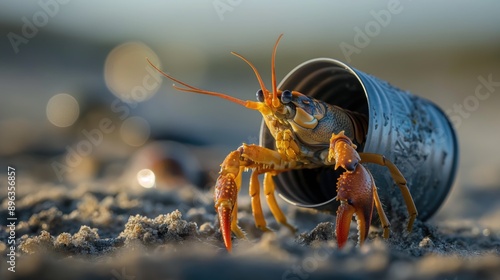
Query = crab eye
x=260 y=95
x=286 y=97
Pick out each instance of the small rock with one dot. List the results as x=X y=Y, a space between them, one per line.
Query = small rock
x=426 y=243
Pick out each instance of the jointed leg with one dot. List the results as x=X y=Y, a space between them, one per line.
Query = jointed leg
x=235 y=228
x=273 y=205
x=226 y=194
x=261 y=160
x=383 y=218
x=400 y=181
x=254 y=190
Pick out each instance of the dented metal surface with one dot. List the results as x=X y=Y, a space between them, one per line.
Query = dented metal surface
x=410 y=131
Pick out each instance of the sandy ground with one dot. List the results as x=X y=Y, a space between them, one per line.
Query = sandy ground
x=96 y=223
x=106 y=230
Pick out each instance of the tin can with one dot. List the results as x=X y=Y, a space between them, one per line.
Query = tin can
x=412 y=132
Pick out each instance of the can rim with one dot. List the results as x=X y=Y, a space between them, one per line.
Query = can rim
x=311 y=75
x=340 y=65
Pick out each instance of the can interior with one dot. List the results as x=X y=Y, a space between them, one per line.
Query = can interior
x=333 y=82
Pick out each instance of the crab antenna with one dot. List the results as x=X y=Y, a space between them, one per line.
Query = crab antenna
x=197 y=90
x=275 y=100
x=259 y=78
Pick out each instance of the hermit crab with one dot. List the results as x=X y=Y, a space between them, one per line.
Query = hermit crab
x=303 y=133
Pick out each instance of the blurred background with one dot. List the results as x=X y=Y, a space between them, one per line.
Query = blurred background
x=79 y=101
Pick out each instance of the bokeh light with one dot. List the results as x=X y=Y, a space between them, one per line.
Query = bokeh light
x=62 y=110
x=135 y=131
x=128 y=75
x=146 y=178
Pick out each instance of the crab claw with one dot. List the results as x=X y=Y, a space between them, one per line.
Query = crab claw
x=344 y=216
x=224 y=206
x=225 y=196
x=224 y=211
x=355 y=193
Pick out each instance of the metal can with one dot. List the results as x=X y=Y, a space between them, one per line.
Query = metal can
x=412 y=132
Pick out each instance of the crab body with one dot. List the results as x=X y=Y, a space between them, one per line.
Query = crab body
x=308 y=133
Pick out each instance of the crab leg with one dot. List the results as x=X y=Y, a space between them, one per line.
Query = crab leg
x=399 y=179
x=381 y=214
x=261 y=160
x=225 y=195
x=273 y=205
x=355 y=189
x=254 y=190
x=355 y=193
x=235 y=228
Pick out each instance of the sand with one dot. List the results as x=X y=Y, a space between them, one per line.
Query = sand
x=97 y=230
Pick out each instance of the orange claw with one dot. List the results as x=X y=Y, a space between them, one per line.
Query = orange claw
x=355 y=193
x=224 y=203
x=344 y=216
x=354 y=189
x=225 y=196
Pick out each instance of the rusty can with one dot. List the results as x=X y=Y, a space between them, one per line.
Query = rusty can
x=412 y=132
